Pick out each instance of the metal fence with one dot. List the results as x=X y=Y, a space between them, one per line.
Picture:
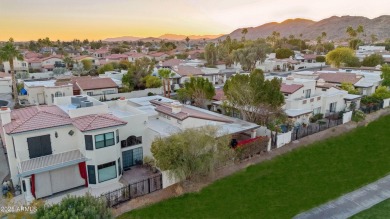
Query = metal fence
x=134 y=190
x=312 y=128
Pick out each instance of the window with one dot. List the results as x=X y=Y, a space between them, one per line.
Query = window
x=109 y=92
x=91 y=174
x=308 y=93
x=117 y=136
x=332 y=107
x=39 y=146
x=317 y=110
x=90 y=93
x=88 y=142
x=133 y=140
x=58 y=94
x=104 y=140
x=106 y=171
x=119 y=167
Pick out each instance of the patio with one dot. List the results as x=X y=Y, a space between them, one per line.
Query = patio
x=136 y=174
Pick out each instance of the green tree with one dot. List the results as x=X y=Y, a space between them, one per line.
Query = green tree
x=244 y=32
x=187 y=39
x=340 y=56
x=349 y=87
x=166 y=74
x=374 y=38
x=198 y=90
x=373 y=60
x=258 y=100
x=211 y=54
x=8 y=52
x=128 y=81
x=152 y=81
x=253 y=52
x=68 y=61
x=385 y=75
x=87 y=64
x=382 y=92
x=192 y=153
x=87 y=207
x=138 y=70
x=352 y=61
x=320 y=59
x=283 y=53
x=106 y=67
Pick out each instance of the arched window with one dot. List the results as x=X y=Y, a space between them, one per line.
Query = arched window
x=58 y=94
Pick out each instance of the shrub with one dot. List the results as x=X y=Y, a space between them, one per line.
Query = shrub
x=320 y=59
x=87 y=207
x=316 y=117
x=358 y=116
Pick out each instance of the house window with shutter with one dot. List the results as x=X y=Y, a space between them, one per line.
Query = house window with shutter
x=39 y=146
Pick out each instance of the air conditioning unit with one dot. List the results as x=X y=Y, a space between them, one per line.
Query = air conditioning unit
x=86 y=103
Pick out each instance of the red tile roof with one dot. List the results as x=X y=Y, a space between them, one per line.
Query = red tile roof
x=36 y=117
x=41 y=117
x=310 y=56
x=188 y=70
x=172 y=62
x=52 y=57
x=340 y=77
x=117 y=56
x=290 y=88
x=90 y=83
x=219 y=95
x=93 y=122
x=186 y=112
x=157 y=54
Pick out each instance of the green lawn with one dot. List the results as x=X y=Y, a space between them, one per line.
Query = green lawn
x=379 y=211
x=291 y=183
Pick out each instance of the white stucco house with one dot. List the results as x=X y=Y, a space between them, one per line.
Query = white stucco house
x=44 y=92
x=81 y=142
x=19 y=66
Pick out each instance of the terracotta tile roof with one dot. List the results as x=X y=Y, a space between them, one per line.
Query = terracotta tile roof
x=172 y=62
x=290 y=88
x=90 y=83
x=157 y=54
x=117 y=56
x=92 y=122
x=186 y=112
x=48 y=66
x=36 y=117
x=340 y=77
x=137 y=55
x=188 y=70
x=219 y=95
x=310 y=56
x=52 y=57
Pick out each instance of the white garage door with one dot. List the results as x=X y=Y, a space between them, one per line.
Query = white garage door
x=42 y=185
x=66 y=178
x=59 y=180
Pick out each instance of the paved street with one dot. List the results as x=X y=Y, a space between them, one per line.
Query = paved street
x=351 y=203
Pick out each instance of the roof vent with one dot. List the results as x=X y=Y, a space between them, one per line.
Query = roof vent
x=86 y=103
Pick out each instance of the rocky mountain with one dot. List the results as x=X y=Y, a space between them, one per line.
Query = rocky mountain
x=335 y=27
x=172 y=37
x=192 y=37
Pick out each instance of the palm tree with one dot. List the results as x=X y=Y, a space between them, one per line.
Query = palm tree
x=9 y=53
x=374 y=38
x=351 y=32
x=187 y=39
x=244 y=32
x=165 y=74
x=68 y=61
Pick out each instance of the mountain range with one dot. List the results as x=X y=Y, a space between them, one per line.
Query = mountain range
x=335 y=28
x=173 y=37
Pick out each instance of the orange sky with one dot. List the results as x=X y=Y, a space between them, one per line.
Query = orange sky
x=99 y=19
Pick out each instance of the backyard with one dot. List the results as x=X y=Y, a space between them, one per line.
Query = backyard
x=378 y=211
x=289 y=184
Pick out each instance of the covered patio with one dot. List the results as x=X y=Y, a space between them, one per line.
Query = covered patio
x=137 y=173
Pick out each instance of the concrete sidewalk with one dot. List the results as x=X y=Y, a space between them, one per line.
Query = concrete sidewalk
x=351 y=203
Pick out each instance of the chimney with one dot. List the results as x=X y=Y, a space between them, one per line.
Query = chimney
x=175 y=68
x=122 y=103
x=176 y=107
x=5 y=114
x=289 y=80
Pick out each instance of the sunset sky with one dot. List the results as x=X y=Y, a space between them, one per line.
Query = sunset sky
x=100 y=19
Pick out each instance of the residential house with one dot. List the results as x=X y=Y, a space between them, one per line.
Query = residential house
x=78 y=60
x=44 y=92
x=116 y=57
x=19 y=66
x=51 y=62
x=158 y=56
x=93 y=86
x=81 y=142
x=101 y=53
x=134 y=56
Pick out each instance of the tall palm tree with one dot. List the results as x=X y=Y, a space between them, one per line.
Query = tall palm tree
x=9 y=53
x=244 y=32
x=165 y=74
x=68 y=61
